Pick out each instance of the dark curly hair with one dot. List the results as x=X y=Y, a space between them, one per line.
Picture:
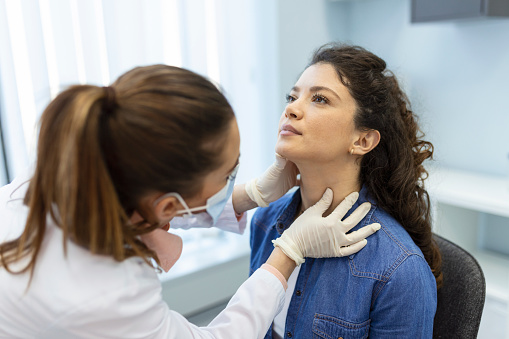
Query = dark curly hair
x=393 y=171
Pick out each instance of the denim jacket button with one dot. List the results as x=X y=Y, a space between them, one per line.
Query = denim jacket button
x=289 y=334
x=298 y=293
x=280 y=225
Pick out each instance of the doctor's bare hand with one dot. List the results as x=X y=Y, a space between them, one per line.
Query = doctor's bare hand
x=315 y=236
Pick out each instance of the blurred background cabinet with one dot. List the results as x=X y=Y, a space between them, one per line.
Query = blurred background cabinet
x=434 y=10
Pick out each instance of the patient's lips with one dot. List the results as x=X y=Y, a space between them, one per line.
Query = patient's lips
x=288 y=130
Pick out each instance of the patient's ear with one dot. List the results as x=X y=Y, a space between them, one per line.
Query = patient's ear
x=366 y=142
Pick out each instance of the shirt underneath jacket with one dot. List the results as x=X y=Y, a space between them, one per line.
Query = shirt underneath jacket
x=386 y=290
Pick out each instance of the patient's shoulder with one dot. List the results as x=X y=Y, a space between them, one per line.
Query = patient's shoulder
x=386 y=250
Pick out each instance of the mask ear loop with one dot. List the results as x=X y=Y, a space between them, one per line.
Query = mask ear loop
x=233 y=174
x=188 y=211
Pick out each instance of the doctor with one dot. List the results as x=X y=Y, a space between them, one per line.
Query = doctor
x=81 y=231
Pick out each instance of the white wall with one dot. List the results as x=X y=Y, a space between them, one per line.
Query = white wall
x=248 y=49
x=303 y=26
x=458 y=73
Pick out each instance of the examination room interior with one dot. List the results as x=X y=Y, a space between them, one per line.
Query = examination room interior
x=454 y=71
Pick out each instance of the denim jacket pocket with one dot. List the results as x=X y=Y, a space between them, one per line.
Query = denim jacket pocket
x=328 y=327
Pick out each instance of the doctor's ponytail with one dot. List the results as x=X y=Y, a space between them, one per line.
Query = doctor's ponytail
x=101 y=149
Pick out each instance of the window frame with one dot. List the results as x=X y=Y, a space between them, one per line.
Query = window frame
x=4 y=169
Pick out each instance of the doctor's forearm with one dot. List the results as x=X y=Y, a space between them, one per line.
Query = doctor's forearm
x=280 y=261
x=241 y=201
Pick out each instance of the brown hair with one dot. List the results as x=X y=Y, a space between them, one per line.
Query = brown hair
x=393 y=171
x=156 y=129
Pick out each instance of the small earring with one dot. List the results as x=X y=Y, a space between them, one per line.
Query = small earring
x=351 y=151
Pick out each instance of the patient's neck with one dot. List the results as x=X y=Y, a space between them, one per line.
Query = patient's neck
x=316 y=178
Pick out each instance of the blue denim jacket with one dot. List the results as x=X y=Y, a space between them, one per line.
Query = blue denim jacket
x=386 y=290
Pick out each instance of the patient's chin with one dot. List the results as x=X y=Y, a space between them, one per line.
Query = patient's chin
x=291 y=151
x=282 y=150
x=286 y=153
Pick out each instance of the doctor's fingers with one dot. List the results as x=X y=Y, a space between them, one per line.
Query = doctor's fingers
x=351 y=249
x=280 y=162
x=361 y=234
x=356 y=216
x=322 y=205
x=342 y=209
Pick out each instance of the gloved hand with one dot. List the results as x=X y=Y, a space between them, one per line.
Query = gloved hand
x=273 y=183
x=312 y=235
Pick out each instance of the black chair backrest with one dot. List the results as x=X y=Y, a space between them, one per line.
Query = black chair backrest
x=461 y=298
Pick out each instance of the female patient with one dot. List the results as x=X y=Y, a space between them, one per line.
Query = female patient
x=348 y=126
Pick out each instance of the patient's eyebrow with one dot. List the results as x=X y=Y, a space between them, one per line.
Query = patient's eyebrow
x=323 y=88
x=317 y=89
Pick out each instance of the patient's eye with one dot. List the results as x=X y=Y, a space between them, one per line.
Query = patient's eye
x=290 y=98
x=318 y=98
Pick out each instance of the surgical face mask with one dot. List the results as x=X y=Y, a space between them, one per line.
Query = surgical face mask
x=215 y=204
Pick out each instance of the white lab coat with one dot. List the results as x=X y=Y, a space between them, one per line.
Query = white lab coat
x=92 y=296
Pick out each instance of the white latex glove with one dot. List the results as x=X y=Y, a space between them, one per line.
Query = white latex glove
x=273 y=183
x=314 y=236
